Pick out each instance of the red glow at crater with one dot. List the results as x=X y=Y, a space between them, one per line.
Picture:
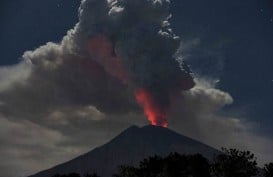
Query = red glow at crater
x=156 y=114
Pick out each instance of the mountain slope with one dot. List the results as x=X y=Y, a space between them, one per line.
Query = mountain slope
x=131 y=146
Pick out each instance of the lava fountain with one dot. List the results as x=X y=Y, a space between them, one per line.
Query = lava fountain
x=156 y=114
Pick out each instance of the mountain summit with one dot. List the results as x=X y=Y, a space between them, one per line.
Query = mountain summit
x=128 y=148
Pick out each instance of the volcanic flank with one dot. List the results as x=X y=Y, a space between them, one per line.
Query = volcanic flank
x=128 y=148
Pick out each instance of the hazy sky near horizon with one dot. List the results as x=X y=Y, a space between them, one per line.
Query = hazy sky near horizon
x=228 y=45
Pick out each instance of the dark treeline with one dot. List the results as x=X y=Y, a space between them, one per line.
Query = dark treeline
x=231 y=163
x=76 y=175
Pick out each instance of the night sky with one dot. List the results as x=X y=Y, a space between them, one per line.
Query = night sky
x=239 y=36
x=229 y=44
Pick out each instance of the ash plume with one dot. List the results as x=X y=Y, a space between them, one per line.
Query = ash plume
x=119 y=49
x=132 y=40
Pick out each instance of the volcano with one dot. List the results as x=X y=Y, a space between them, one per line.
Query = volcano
x=128 y=148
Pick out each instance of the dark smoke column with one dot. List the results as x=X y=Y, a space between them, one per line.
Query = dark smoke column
x=132 y=40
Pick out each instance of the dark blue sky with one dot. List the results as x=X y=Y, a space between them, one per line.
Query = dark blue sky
x=26 y=25
x=238 y=36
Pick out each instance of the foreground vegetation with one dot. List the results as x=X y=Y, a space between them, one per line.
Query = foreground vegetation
x=231 y=163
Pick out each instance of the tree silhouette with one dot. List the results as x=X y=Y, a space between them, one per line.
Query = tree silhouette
x=76 y=175
x=127 y=171
x=268 y=170
x=174 y=165
x=230 y=163
x=234 y=163
x=57 y=175
x=73 y=175
x=200 y=166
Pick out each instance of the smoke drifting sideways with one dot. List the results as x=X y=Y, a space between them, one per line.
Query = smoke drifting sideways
x=132 y=43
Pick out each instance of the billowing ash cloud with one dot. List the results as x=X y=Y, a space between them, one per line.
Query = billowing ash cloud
x=132 y=41
x=120 y=49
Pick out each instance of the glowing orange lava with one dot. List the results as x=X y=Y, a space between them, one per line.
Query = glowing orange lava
x=102 y=51
x=155 y=114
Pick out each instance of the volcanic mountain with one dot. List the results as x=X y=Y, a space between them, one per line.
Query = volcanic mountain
x=128 y=148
